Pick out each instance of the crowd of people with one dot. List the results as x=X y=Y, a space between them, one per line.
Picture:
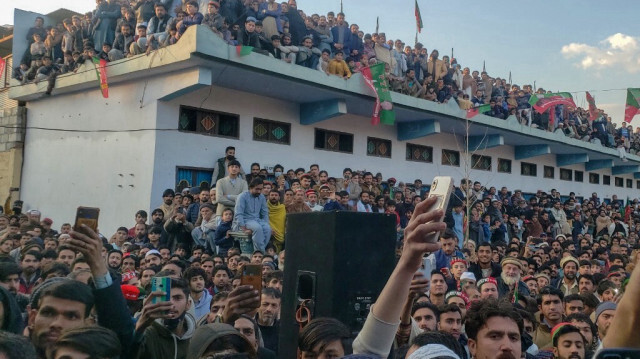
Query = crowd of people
x=328 y=43
x=510 y=277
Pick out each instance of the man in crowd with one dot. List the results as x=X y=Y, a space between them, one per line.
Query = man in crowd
x=252 y=215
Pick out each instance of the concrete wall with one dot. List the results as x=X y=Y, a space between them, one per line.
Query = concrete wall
x=121 y=155
x=12 y=122
x=110 y=170
x=197 y=150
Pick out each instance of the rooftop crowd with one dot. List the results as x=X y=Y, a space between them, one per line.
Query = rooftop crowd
x=121 y=29
x=509 y=277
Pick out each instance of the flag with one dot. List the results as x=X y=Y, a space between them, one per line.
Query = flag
x=552 y=116
x=419 y=24
x=627 y=211
x=632 y=107
x=243 y=50
x=3 y=63
x=473 y=112
x=101 y=72
x=593 y=110
x=383 y=110
x=541 y=102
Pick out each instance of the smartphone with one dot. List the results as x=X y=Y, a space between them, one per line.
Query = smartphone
x=618 y=353
x=87 y=216
x=441 y=188
x=252 y=275
x=425 y=268
x=162 y=284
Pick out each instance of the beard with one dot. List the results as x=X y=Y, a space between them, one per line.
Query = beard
x=570 y=276
x=506 y=355
x=508 y=280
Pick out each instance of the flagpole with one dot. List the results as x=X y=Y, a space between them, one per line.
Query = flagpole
x=377 y=24
x=451 y=55
x=484 y=68
x=414 y=45
x=341 y=7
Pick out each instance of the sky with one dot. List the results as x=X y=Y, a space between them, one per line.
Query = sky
x=567 y=45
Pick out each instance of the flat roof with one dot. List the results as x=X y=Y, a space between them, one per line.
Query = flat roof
x=200 y=48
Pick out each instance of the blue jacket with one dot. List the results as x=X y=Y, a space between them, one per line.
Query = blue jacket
x=221 y=240
x=334 y=206
x=192 y=212
x=443 y=260
x=346 y=34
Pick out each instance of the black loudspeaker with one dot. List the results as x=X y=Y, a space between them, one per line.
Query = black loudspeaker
x=338 y=262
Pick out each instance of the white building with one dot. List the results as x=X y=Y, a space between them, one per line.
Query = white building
x=171 y=114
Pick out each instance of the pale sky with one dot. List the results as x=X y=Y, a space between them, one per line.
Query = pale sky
x=569 y=45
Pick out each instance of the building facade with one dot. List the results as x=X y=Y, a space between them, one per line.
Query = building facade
x=170 y=115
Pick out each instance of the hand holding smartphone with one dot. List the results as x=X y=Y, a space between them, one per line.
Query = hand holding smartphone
x=252 y=275
x=87 y=216
x=161 y=284
x=441 y=188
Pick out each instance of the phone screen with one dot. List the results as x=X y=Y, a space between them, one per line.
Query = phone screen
x=252 y=275
x=87 y=216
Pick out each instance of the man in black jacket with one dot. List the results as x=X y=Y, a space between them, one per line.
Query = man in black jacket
x=61 y=304
x=485 y=267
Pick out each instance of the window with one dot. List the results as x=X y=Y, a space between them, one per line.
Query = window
x=619 y=182
x=637 y=184
x=594 y=178
x=271 y=131
x=208 y=122
x=378 y=147
x=504 y=165
x=606 y=180
x=187 y=177
x=333 y=141
x=549 y=172
x=579 y=176
x=528 y=169
x=629 y=183
x=479 y=162
x=566 y=175
x=451 y=158
x=419 y=153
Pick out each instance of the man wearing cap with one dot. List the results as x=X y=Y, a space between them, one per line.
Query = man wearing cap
x=532 y=284
x=230 y=187
x=488 y=288
x=568 y=342
x=204 y=233
x=46 y=228
x=312 y=201
x=605 y=312
x=247 y=35
x=467 y=280
x=569 y=283
x=510 y=277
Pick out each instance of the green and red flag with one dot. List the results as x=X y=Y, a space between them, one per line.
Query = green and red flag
x=632 y=107
x=243 y=50
x=3 y=63
x=473 y=112
x=593 y=110
x=542 y=102
x=375 y=79
x=101 y=72
x=419 y=23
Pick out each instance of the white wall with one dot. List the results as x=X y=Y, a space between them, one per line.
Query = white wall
x=113 y=171
x=123 y=172
x=203 y=150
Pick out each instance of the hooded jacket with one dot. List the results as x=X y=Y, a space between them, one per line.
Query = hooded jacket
x=159 y=342
x=12 y=321
x=207 y=334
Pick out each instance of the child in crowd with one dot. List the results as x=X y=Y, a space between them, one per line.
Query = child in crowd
x=325 y=58
x=338 y=66
x=223 y=239
x=37 y=49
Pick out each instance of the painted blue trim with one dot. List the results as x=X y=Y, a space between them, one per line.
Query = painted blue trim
x=571 y=159
x=477 y=143
x=593 y=165
x=314 y=112
x=528 y=151
x=621 y=170
x=416 y=129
